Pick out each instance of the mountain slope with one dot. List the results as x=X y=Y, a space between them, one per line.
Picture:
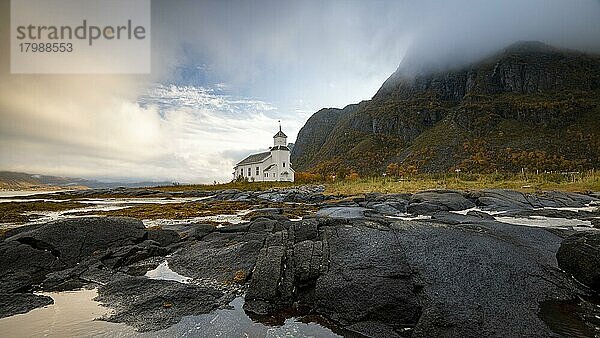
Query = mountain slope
x=22 y=181
x=530 y=106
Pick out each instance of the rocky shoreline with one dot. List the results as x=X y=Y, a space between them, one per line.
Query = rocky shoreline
x=434 y=263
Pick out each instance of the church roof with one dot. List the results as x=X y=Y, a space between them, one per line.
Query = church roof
x=280 y=134
x=270 y=166
x=255 y=158
x=280 y=148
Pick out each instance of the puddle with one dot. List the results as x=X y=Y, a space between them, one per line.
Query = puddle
x=547 y=222
x=142 y=200
x=571 y=318
x=73 y=314
x=409 y=217
x=232 y=218
x=464 y=212
x=162 y=271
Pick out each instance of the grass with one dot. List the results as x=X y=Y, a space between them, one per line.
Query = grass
x=580 y=182
x=529 y=182
x=243 y=186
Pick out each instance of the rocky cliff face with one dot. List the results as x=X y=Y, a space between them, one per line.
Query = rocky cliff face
x=530 y=104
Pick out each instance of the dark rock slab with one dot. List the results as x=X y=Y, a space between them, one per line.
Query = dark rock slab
x=150 y=305
x=579 y=255
x=426 y=203
x=342 y=212
x=71 y=240
x=219 y=256
x=368 y=279
x=60 y=248
x=501 y=200
x=163 y=237
x=16 y=303
x=483 y=279
x=453 y=218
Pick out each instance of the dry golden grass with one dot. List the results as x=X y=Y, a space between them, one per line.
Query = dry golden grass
x=585 y=182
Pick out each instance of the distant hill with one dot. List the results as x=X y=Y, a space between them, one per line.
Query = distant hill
x=22 y=181
x=529 y=106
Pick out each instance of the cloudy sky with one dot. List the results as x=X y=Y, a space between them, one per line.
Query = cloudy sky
x=224 y=72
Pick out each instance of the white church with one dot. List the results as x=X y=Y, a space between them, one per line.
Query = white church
x=273 y=165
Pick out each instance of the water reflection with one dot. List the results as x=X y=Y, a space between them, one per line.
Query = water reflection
x=74 y=312
x=572 y=318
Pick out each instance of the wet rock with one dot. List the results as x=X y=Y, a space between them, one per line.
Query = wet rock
x=426 y=203
x=362 y=284
x=579 y=255
x=30 y=255
x=502 y=200
x=23 y=265
x=480 y=214
x=469 y=277
x=164 y=237
x=149 y=304
x=264 y=225
x=553 y=213
x=387 y=208
x=219 y=256
x=125 y=255
x=559 y=199
x=453 y=218
x=16 y=303
x=262 y=296
x=420 y=278
x=342 y=212
x=306 y=229
x=191 y=231
x=71 y=240
x=233 y=228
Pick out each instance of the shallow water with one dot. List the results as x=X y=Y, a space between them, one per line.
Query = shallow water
x=577 y=318
x=162 y=271
x=547 y=222
x=73 y=314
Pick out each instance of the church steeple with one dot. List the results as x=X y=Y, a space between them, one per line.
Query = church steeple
x=280 y=139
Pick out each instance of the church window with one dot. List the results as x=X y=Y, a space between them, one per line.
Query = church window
x=257 y=171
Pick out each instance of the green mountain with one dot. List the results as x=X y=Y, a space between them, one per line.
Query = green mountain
x=529 y=106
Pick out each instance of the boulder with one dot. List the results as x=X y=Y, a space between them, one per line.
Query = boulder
x=579 y=255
